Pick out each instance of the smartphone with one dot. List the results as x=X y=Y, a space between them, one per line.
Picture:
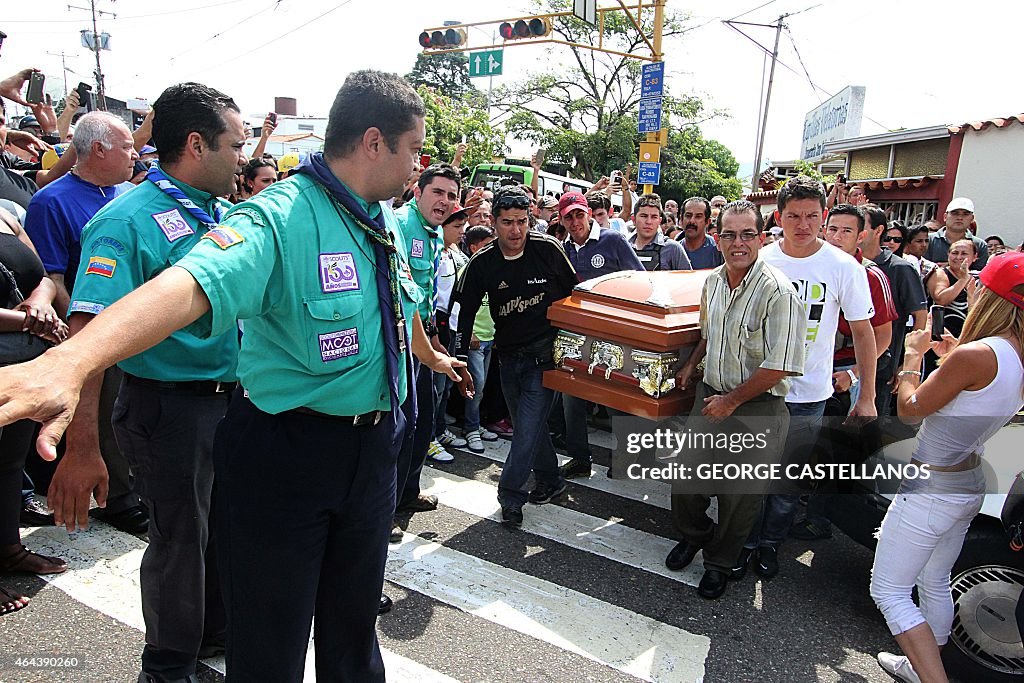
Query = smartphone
x=85 y=96
x=841 y=178
x=424 y=160
x=35 y=88
x=273 y=117
x=938 y=322
x=540 y=156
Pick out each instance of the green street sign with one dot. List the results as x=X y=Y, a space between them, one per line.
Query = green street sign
x=486 y=63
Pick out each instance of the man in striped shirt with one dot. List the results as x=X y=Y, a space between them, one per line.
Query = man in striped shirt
x=753 y=327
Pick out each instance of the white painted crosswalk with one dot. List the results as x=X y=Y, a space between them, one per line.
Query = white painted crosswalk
x=104 y=563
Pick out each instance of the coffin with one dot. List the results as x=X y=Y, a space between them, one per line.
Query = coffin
x=623 y=336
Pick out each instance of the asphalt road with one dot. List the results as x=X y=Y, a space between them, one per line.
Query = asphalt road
x=580 y=593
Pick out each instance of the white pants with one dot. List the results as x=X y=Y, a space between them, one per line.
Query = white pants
x=918 y=543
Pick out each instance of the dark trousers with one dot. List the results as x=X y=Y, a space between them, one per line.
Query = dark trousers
x=168 y=438
x=15 y=441
x=304 y=507
x=121 y=493
x=737 y=512
x=413 y=453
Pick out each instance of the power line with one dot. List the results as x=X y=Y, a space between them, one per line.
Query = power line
x=789 y=34
x=135 y=16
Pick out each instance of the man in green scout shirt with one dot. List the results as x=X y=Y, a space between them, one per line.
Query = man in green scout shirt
x=435 y=197
x=173 y=395
x=305 y=458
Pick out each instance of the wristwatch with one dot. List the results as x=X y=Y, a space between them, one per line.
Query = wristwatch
x=853 y=378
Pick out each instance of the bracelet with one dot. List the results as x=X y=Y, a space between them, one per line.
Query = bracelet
x=853 y=377
x=909 y=372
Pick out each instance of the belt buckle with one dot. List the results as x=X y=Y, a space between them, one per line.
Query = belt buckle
x=366 y=418
x=220 y=388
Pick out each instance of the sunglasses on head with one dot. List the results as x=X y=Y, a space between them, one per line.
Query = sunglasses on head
x=513 y=202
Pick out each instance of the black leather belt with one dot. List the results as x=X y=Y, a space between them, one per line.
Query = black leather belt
x=196 y=388
x=365 y=420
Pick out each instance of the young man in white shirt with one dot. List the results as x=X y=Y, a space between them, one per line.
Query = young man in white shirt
x=827 y=280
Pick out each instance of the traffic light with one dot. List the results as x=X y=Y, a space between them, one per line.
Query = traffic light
x=525 y=28
x=440 y=40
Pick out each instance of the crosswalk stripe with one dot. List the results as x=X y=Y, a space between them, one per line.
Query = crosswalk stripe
x=629 y=642
x=654 y=493
x=579 y=530
x=103 y=574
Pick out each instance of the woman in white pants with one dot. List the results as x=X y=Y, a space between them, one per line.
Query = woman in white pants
x=978 y=387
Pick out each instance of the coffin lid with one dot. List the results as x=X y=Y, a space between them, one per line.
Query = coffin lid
x=666 y=292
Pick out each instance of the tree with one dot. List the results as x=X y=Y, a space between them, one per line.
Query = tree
x=449 y=120
x=446 y=72
x=585 y=115
x=693 y=166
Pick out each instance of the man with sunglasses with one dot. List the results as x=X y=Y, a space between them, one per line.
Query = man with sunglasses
x=522 y=273
x=752 y=339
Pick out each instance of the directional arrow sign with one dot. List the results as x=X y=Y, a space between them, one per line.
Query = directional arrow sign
x=486 y=63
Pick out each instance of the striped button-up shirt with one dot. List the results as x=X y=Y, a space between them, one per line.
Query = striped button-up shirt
x=760 y=324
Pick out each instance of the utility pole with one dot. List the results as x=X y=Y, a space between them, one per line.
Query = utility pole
x=101 y=102
x=774 y=54
x=659 y=20
x=64 y=66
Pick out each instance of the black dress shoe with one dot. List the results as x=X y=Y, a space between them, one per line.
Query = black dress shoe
x=767 y=561
x=682 y=555
x=421 y=503
x=713 y=584
x=739 y=570
x=385 y=604
x=34 y=513
x=133 y=520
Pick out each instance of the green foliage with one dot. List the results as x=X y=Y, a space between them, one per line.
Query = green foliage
x=449 y=119
x=806 y=168
x=446 y=72
x=585 y=114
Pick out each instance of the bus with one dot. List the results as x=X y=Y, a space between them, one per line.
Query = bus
x=493 y=176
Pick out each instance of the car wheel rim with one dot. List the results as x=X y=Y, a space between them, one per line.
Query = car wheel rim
x=984 y=621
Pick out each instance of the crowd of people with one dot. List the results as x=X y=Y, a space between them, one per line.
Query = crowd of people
x=300 y=331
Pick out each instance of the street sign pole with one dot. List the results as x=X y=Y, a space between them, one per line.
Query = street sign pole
x=659 y=19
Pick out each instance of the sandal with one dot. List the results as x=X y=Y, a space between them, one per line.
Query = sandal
x=11 y=602
x=21 y=561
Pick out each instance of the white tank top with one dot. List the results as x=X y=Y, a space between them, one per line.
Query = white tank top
x=962 y=426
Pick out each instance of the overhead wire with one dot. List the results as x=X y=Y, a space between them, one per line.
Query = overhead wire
x=123 y=17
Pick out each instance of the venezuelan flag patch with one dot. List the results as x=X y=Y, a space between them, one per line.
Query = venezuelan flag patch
x=101 y=266
x=223 y=237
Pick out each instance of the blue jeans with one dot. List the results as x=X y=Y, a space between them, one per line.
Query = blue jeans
x=531 y=449
x=778 y=510
x=479 y=362
x=577 y=440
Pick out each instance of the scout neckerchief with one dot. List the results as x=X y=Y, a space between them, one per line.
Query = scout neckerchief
x=158 y=178
x=375 y=228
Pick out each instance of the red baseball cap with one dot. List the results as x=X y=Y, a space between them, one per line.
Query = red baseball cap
x=570 y=201
x=1003 y=273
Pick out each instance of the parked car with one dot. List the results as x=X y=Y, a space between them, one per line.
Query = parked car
x=988 y=577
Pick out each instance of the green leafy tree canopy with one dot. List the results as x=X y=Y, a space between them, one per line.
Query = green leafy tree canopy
x=449 y=120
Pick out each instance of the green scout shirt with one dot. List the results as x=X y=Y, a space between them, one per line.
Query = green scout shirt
x=423 y=243
x=130 y=241
x=302 y=276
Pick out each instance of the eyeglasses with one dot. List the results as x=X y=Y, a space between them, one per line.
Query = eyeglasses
x=746 y=236
x=895 y=239
x=512 y=202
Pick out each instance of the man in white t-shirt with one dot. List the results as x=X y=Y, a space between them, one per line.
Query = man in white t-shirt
x=827 y=279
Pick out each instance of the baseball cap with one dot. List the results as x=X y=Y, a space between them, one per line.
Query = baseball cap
x=548 y=202
x=287 y=163
x=147 y=149
x=1003 y=273
x=961 y=203
x=570 y=201
x=28 y=121
x=459 y=214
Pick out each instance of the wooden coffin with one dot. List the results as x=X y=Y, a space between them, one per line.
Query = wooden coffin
x=623 y=336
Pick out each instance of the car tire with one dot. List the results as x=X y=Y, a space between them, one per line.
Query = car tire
x=987 y=580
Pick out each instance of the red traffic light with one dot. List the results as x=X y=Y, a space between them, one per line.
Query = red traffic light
x=424 y=39
x=505 y=30
x=439 y=40
x=525 y=28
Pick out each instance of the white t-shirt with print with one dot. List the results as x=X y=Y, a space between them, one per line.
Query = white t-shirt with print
x=826 y=281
